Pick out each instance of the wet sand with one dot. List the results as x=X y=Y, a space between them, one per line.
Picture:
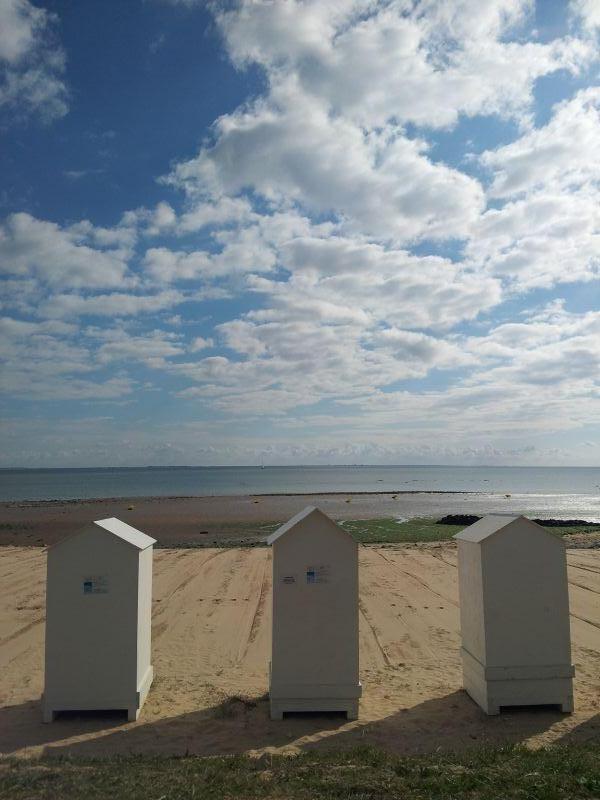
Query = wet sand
x=211 y=641
x=208 y=520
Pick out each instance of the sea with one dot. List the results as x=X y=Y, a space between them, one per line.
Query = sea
x=564 y=491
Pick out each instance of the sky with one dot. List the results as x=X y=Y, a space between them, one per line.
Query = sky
x=299 y=232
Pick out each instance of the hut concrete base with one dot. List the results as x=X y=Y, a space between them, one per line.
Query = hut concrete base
x=494 y=687
x=316 y=698
x=51 y=706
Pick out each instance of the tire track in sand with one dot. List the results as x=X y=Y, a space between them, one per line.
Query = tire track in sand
x=583 y=619
x=187 y=580
x=162 y=607
x=259 y=609
x=374 y=633
x=416 y=578
x=22 y=631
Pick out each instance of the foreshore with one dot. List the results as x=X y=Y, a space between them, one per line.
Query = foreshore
x=211 y=520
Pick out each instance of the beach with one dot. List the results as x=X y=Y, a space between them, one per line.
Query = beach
x=211 y=639
x=211 y=631
x=176 y=521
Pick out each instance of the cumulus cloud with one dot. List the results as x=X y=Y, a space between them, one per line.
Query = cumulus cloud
x=548 y=229
x=545 y=239
x=153 y=348
x=224 y=211
x=526 y=378
x=344 y=78
x=245 y=251
x=290 y=147
x=45 y=360
x=54 y=359
x=562 y=154
x=60 y=257
x=200 y=343
x=389 y=284
x=114 y=304
x=587 y=12
x=306 y=352
x=167 y=266
x=32 y=62
x=252 y=245
x=555 y=348
x=424 y=62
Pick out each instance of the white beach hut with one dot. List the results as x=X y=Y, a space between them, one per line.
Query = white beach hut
x=314 y=663
x=98 y=608
x=514 y=614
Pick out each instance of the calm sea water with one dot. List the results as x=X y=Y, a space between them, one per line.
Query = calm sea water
x=566 y=483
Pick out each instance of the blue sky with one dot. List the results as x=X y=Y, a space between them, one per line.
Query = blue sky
x=299 y=232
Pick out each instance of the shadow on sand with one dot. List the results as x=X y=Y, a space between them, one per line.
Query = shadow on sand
x=21 y=725
x=449 y=723
x=588 y=731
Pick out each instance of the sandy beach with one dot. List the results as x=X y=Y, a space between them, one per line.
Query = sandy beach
x=239 y=518
x=211 y=637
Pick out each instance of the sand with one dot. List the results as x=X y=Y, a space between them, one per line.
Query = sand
x=211 y=632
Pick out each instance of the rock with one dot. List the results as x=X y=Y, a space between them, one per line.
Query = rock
x=458 y=519
x=469 y=519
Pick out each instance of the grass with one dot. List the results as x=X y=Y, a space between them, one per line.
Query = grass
x=383 y=530
x=365 y=531
x=419 y=529
x=227 y=534
x=361 y=774
x=389 y=531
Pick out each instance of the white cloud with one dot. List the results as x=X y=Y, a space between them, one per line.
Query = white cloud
x=562 y=154
x=31 y=62
x=44 y=360
x=548 y=230
x=303 y=353
x=389 y=285
x=527 y=379
x=224 y=211
x=168 y=266
x=248 y=247
x=20 y=23
x=154 y=221
x=153 y=348
x=60 y=257
x=244 y=252
x=200 y=343
x=424 y=62
x=544 y=239
x=115 y=304
x=588 y=13
x=343 y=79
x=290 y=148
x=553 y=348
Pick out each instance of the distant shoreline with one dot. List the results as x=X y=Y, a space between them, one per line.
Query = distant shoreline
x=159 y=497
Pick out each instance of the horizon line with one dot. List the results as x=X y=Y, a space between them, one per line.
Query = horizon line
x=301 y=466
